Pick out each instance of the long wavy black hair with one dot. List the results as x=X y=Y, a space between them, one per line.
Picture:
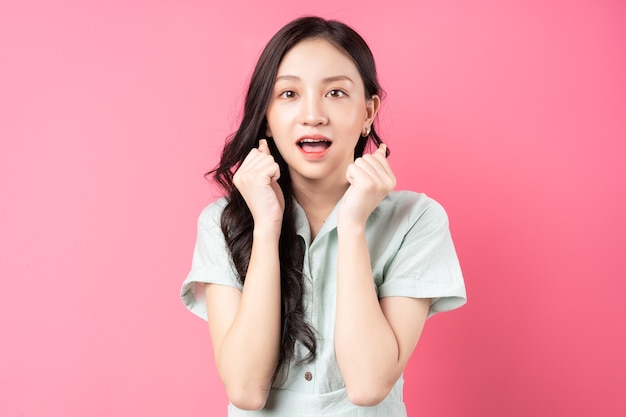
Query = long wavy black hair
x=237 y=223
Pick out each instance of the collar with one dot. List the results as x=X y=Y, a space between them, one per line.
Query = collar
x=303 y=228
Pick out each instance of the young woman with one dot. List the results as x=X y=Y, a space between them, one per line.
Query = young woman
x=315 y=276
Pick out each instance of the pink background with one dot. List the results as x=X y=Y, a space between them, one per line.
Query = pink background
x=511 y=114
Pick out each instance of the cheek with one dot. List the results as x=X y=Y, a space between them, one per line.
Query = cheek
x=277 y=119
x=353 y=122
x=273 y=123
x=276 y=129
x=354 y=114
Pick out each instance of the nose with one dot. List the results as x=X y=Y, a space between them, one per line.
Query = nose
x=312 y=112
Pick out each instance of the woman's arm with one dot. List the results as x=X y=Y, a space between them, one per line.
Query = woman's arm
x=245 y=326
x=373 y=340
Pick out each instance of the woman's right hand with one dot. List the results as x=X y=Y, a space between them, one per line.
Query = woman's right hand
x=256 y=179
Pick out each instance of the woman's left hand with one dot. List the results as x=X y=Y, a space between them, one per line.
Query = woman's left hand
x=371 y=179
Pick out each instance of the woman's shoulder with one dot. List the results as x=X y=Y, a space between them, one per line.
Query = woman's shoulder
x=411 y=201
x=408 y=208
x=212 y=213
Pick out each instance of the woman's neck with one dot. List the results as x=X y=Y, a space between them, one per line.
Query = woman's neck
x=318 y=199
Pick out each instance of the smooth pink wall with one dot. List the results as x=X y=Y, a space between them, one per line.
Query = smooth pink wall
x=512 y=114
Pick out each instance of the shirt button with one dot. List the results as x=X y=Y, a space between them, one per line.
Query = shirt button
x=308 y=376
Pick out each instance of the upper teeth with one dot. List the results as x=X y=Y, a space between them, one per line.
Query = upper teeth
x=313 y=140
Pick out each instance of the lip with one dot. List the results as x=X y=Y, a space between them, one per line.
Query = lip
x=314 y=155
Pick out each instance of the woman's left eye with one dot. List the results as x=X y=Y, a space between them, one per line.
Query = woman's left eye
x=336 y=93
x=287 y=94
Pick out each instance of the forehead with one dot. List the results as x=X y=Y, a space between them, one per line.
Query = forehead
x=317 y=58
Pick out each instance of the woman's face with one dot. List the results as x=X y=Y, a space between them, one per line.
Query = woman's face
x=317 y=112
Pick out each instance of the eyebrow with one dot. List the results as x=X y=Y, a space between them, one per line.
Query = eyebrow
x=326 y=80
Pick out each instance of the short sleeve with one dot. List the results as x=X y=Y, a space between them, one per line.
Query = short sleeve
x=211 y=262
x=426 y=264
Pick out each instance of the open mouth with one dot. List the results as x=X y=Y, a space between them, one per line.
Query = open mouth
x=313 y=145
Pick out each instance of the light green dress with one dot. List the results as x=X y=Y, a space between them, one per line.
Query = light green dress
x=412 y=255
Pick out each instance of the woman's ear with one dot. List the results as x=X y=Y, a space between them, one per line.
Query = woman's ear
x=268 y=132
x=372 y=106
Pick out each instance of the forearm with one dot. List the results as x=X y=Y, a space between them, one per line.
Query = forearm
x=367 y=350
x=249 y=352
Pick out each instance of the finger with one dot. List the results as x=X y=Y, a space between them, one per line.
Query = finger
x=264 y=167
x=260 y=162
x=350 y=173
x=263 y=147
x=374 y=165
x=365 y=166
x=275 y=171
x=377 y=168
x=381 y=154
x=249 y=159
x=361 y=172
x=274 y=168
